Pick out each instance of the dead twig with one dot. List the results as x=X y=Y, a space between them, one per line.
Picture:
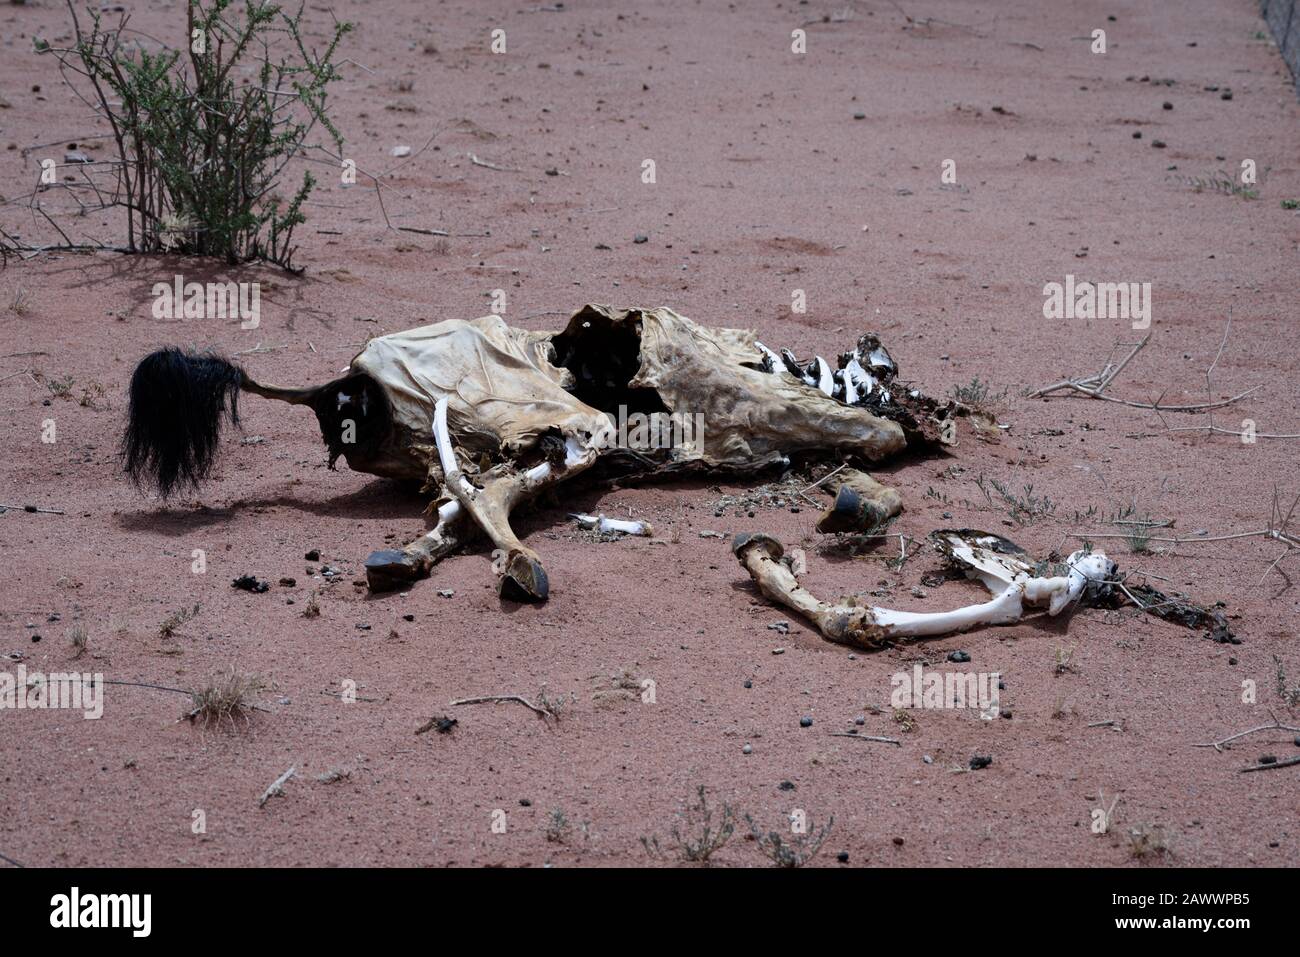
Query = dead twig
x=1094 y=386
x=497 y=698
x=1275 y=726
x=1275 y=764
x=866 y=737
x=31 y=508
x=277 y=787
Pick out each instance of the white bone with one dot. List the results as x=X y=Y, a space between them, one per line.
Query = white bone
x=1005 y=609
x=446 y=455
x=771 y=361
x=606 y=525
x=825 y=381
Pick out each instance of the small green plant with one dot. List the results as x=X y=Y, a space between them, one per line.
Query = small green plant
x=170 y=624
x=312 y=608
x=700 y=832
x=204 y=132
x=795 y=851
x=1025 y=508
x=557 y=826
x=977 y=395
x=1291 y=204
x=1148 y=841
x=1290 y=696
x=20 y=304
x=1064 y=660
x=1220 y=182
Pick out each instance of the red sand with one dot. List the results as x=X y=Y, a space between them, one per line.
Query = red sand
x=766 y=183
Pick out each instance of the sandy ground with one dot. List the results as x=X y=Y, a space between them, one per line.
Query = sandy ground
x=766 y=183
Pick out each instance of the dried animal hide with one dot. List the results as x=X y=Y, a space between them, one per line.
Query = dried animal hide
x=521 y=410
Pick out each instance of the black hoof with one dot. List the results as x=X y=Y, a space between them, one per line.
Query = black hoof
x=389 y=569
x=524 y=580
x=850 y=513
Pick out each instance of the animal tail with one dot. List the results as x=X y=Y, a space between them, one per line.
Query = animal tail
x=178 y=403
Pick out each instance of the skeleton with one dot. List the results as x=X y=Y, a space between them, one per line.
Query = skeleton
x=487 y=416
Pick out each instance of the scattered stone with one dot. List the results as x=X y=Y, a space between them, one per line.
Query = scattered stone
x=288 y=582
x=640 y=238
x=781 y=627
x=408 y=617
x=313 y=555
x=786 y=786
x=927 y=759
x=959 y=656
x=400 y=151
x=250 y=583
x=859 y=721
x=842 y=857
x=1167 y=105
x=859 y=116
x=524 y=802
x=446 y=592
x=747 y=749
x=898 y=842
x=750 y=684
x=980 y=761
x=1158 y=144
x=778 y=651
x=1225 y=95
x=805 y=722
x=362 y=626
x=1268 y=759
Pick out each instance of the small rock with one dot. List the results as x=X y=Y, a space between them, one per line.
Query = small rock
x=749 y=683
x=1268 y=759
x=524 y=802
x=778 y=651
x=1225 y=95
x=959 y=656
x=313 y=555
x=842 y=857
x=1158 y=144
x=408 y=617
x=362 y=627
x=859 y=116
x=447 y=592
x=980 y=761
x=287 y=582
x=786 y=786
x=400 y=151
x=747 y=749
x=780 y=627
x=640 y=238
x=859 y=721
x=805 y=722
x=927 y=759
x=250 y=583
x=898 y=842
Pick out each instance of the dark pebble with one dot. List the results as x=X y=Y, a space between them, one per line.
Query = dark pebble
x=980 y=761
x=842 y=857
x=408 y=618
x=1006 y=714
x=1268 y=759
x=524 y=802
x=36 y=637
x=313 y=555
x=1168 y=105
x=361 y=627
x=1158 y=144
x=1232 y=661
x=287 y=582
x=640 y=238
x=250 y=583
x=786 y=786
x=748 y=683
x=898 y=842
x=959 y=656
x=1225 y=95
x=1137 y=134
x=805 y=722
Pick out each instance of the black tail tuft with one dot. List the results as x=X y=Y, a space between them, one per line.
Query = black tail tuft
x=174 y=422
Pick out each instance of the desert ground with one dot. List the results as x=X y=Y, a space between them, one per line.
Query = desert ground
x=776 y=171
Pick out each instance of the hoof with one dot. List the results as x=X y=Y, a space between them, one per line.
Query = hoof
x=524 y=580
x=389 y=569
x=850 y=513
